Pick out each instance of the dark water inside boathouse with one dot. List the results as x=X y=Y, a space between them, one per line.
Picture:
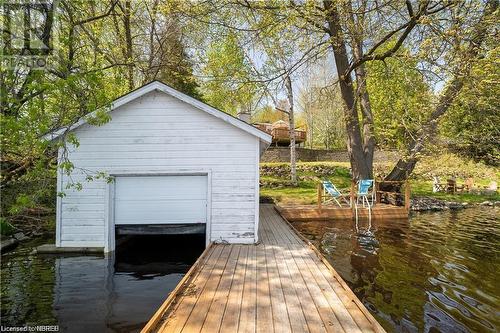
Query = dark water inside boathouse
x=436 y=272
x=117 y=293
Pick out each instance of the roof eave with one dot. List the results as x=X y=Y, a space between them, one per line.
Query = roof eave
x=156 y=85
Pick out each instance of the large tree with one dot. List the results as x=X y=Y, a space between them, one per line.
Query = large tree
x=356 y=32
x=471 y=125
x=225 y=72
x=466 y=51
x=400 y=99
x=99 y=53
x=367 y=45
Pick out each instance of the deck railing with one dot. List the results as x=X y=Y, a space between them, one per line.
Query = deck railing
x=283 y=134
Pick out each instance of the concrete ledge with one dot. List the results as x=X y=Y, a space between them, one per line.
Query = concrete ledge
x=52 y=249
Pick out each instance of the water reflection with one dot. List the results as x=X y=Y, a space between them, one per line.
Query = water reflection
x=435 y=272
x=116 y=293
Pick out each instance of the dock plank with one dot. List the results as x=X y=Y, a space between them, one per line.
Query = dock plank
x=176 y=322
x=249 y=301
x=310 y=313
x=338 y=308
x=216 y=311
x=264 y=309
x=231 y=319
x=328 y=317
x=280 y=285
x=202 y=306
x=303 y=314
x=281 y=322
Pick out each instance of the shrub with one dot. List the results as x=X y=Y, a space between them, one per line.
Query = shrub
x=6 y=229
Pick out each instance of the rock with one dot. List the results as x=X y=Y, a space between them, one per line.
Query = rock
x=266 y=199
x=432 y=204
x=7 y=244
x=454 y=205
x=486 y=203
x=20 y=236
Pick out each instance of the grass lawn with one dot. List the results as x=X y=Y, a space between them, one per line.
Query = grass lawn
x=275 y=183
x=305 y=193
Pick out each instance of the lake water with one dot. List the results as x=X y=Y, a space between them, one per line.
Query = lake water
x=437 y=272
x=94 y=293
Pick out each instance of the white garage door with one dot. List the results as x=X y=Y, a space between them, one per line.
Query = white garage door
x=161 y=200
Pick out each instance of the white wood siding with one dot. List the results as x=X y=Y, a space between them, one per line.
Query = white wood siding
x=159 y=133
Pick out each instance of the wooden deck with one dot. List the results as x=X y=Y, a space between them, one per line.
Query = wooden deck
x=279 y=285
x=297 y=213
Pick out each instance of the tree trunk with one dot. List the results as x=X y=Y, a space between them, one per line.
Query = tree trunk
x=311 y=134
x=309 y=121
x=366 y=111
x=151 y=74
x=360 y=169
x=356 y=31
x=291 y=121
x=128 y=45
x=405 y=165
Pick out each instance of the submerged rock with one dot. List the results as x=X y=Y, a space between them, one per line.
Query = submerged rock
x=432 y=204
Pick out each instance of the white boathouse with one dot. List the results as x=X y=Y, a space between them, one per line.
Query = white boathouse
x=173 y=160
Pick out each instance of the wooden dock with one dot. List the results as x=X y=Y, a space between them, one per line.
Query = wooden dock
x=298 y=213
x=280 y=285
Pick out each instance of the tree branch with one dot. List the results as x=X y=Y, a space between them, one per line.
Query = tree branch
x=98 y=17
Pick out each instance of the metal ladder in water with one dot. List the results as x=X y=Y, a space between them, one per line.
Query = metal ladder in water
x=355 y=203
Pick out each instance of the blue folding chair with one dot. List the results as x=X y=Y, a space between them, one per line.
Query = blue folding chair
x=366 y=189
x=334 y=192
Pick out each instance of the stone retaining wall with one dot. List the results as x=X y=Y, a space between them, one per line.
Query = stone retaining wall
x=282 y=154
